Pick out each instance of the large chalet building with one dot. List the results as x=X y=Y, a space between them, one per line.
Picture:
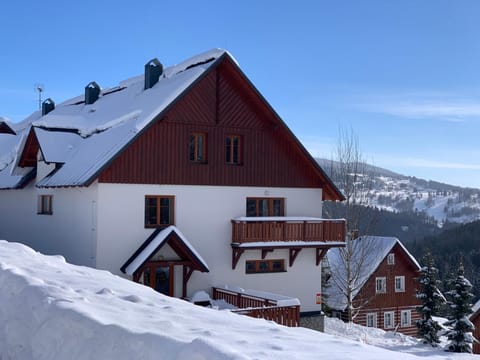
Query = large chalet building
x=384 y=293
x=183 y=179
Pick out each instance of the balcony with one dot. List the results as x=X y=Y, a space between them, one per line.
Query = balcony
x=287 y=229
x=282 y=232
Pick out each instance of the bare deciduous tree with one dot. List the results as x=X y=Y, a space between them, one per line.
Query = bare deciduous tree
x=354 y=177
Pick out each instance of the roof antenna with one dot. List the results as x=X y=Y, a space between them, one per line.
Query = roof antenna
x=39 y=88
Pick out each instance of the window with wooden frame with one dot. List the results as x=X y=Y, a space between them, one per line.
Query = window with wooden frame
x=264 y=266
x=391 y=259
x=44 y=206
x=197 y=148
x=389 y=320
x=265 y=206
x=406 y=318
x=399 y=283
x=159 y=210
x=371 y=320
x=380 y=285
x=233 y=149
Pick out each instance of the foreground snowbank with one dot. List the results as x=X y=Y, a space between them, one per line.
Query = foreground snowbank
x=54 y=310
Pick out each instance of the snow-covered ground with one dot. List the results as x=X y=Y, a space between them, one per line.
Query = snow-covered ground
x=54 y=310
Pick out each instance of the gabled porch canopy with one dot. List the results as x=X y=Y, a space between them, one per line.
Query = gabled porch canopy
x=189 y=258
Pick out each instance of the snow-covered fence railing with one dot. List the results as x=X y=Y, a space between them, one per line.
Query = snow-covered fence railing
x=281 y=311
x=283 y=315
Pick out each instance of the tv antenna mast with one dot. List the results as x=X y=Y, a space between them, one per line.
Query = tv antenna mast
x=39 y=88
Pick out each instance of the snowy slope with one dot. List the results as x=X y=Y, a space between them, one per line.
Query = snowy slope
x=398 y=193
x=54 y=310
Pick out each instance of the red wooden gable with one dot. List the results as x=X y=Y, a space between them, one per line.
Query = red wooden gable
x=222 y=102
x=28 y=157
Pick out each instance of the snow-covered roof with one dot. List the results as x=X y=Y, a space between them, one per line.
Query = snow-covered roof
x=154 y=243
x=475 y=309
x=85 y=137
x=369 y=253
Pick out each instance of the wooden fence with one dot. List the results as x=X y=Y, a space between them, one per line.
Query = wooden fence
x=258 y=307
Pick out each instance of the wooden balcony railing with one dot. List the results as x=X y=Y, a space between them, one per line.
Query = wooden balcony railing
x=248 y=230
x=259 y=307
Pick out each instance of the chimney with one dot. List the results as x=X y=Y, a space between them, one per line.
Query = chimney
x=92 y=92
x=47 y=106
x=153 y=71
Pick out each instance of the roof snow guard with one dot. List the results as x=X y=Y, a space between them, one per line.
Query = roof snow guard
x=159 y=238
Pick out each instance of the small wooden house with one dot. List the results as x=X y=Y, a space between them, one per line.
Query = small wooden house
x=384 y=295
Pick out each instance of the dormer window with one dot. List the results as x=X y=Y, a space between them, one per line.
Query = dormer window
x=198 y=147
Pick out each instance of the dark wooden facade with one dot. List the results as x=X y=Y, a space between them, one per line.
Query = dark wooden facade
x=380 y=303
x=221 y=103
x=475 y=319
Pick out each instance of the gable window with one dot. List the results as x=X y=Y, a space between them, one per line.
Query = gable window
x=44 y=206
x=265 y=206
x=198 y=147
x=159 y=210
x=233 y=149
x=399 y=283
x=380 y=285
x=371 y=320
x=264 y=266
x=389 y=320
x=406 y=318
x=391 y=259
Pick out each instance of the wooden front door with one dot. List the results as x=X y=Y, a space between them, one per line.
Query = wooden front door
x=159 y=275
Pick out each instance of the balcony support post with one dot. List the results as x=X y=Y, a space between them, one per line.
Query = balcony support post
x=293 y=256
x=320 y=255
x=236 y=254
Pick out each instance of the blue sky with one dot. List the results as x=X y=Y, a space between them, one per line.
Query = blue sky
x=404 y=75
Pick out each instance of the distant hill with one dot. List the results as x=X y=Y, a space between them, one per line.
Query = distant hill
x=427 y=216
x=399 y=193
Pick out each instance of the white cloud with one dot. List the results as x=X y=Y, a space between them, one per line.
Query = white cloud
x=456 y=107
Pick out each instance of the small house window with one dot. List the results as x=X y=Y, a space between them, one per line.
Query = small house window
x=233 y=149
x=389 y=320
x=391 y=259
x=406 y=318
x=371 y=320
x=159 y=210
x=399 y=283
x=45 y=204
x=264 y=266
x=265 y=206
x=198 y=147
x=380 y=285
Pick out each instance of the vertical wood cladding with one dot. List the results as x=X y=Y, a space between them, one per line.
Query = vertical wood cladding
x=221 y=103
x=391 y=300
x=475 y=319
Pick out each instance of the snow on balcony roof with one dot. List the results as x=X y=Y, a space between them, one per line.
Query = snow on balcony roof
x=290 y=244
x=282 y=300
x=377 y=248
x=85 y=137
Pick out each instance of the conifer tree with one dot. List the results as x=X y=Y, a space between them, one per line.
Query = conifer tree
x=431 y=299
x=460 y=306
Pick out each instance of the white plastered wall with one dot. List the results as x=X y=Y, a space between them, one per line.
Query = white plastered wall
x=203 y=214
x=69 y=231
